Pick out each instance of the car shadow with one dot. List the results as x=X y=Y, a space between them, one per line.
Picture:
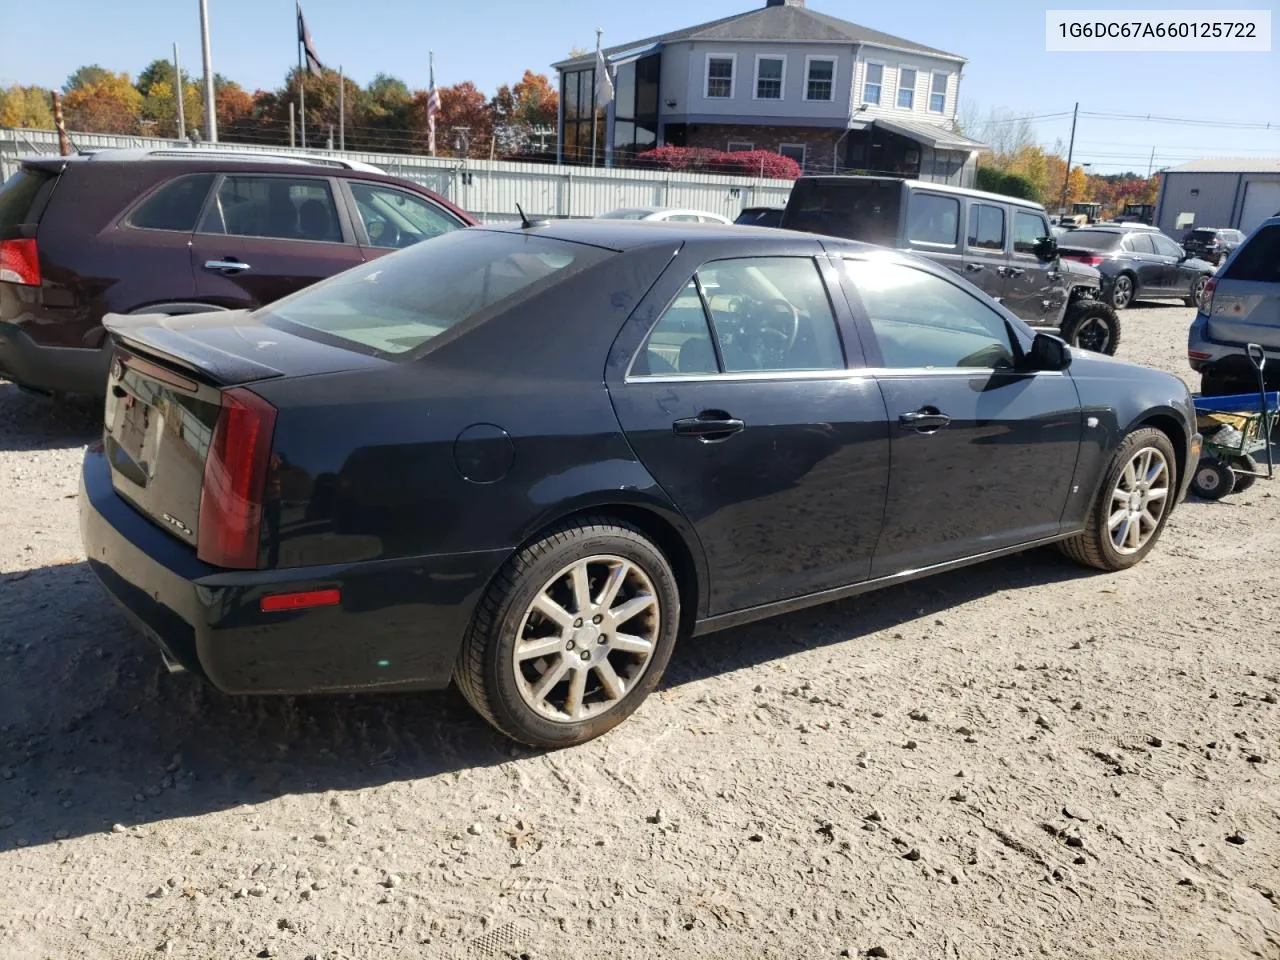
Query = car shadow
x=96 y=732
x=29 y=422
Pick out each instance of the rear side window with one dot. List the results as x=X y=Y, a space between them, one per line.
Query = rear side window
x=1259 y=259
x=401 y=302
x=1139 y=243
x=1092 y=239
x=18 y=197
x=854 y=209
x=282 y=208
x=986 y=227
x=933 y=219
x=175 y=206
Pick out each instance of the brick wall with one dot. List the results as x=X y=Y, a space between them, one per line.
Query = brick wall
x=819 y=142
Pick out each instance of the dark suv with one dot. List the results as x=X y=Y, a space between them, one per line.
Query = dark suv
x=179 y=232
x=1002 y=245
x=1213 y=244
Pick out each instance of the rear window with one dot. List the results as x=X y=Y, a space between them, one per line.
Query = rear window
x=1259 y=259
x=401 y=302
x=1092 y=239
x=1203 y=234
x=18 y=196
x=865 y=210
x=175 y=206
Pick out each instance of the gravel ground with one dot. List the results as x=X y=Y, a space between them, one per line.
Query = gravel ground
x=1020 y=759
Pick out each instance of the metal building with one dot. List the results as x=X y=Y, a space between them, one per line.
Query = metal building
x=1238 y=194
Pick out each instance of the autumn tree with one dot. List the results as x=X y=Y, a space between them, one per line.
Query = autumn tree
x=232 y=107
x=28 y=107
x=522 y=109
x=157 y=84
x=463 y=106
x=102 y=102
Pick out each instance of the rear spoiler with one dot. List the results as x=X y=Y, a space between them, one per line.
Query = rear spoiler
x=161 y=336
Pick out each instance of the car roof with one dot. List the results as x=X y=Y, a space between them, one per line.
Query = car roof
x=930 y=185
x=625 y=235
x=207 y=158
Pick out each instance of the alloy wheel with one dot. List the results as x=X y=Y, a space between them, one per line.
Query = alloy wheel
x=587 y=638
x=1197 y=289
x=1094 y=334
x=1139 y=500
x=1122 y=293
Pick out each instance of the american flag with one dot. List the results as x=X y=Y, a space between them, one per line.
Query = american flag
x=433 y=108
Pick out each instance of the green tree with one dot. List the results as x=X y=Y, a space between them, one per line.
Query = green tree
x=86 y=76
x=160 y=108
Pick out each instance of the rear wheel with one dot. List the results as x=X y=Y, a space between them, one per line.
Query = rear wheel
x=1197 y=291
x=1132 y=506
x=1092 y=325
x=573 y=634
x=1122 y=291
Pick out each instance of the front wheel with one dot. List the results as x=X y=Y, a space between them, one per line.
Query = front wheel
x=572 y=635
x=1122 y=291
x=1092 y=325
x=1133 y=504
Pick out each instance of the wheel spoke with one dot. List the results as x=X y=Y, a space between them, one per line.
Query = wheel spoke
x=610 y=680
x=1120 y=496
x=577 y=688
x=1150 y=517
x=1121 y=537
x=553 y=611
x=1130 y=479
x=631 y=608
x=628 y=643
x=617 y=576
x=581 y=589
x=1118 y=517
x=541 y=647
x=553 y=675
x=1135 y=535
x=1157 y=493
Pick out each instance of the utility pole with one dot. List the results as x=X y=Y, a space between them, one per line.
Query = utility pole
x=1066 y=181
x=1151 y=163
x=180 y=90
x=292 y=141
x=342 y=112
x=330 y=143
x=210 y=114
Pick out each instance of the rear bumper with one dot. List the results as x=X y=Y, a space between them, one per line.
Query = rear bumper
x=55 y=369
x=399 y=626
x=1228 y=361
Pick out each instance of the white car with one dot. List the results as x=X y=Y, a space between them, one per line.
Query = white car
x=666 y=214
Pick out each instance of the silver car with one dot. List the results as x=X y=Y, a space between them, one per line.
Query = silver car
x=1240 y=305
x=665 y=214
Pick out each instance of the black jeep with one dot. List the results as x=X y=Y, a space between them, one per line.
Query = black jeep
x=1002 y=245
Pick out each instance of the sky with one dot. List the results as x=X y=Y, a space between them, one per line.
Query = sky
x=492 y=42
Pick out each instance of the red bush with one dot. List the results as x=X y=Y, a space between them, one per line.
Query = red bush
x=756 y=163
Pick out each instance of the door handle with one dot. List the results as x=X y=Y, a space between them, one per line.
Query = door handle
x=710 y=426
x=226 y=266
x=1014 y=272
x=924 y=420
x=973 y=267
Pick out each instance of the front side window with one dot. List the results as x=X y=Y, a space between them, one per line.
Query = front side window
x=746 y=316
x=769 y=75
x=938 y=93
x=906 y=88
x=282 y=208
x=933 y=219
x=820 y=84
x=986 y=227
x=175 y=206
x=393 y=218
x=398 y=303
x=872 y=84
x=1027 y=229
x=720 y=78
x=921 y=321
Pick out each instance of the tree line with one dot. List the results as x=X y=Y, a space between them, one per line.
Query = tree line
x=385 y=116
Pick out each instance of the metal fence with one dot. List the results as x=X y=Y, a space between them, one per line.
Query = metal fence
x=488 y=189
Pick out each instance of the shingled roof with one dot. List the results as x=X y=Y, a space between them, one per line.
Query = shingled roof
x=782 y=23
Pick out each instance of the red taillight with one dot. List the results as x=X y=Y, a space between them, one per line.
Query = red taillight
x=19 y=262
x=1089 y=260
x=235 y=476
x=1198 y=355
x=1206 y=298
x=277 y=602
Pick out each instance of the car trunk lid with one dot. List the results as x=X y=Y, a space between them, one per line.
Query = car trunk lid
x=1245 y=305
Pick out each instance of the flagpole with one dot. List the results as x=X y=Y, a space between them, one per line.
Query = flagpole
x=595 y=93
x=342 y=113
x=210 y=116
x=431 y=94
x=302 y=88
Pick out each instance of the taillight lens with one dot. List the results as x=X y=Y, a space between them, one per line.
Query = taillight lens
x=235 y=476
x=1206 y=298
x=19 y=262
x=1087 y=259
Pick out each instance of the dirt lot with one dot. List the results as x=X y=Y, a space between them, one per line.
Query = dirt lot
x=1021 y=759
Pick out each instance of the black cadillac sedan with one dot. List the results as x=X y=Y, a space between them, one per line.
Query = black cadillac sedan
x=528 y=459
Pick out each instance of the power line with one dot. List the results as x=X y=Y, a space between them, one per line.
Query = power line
x=1223 y=124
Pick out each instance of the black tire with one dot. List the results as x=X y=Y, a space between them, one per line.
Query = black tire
x=1197 y=291
x=1124 y=290
x=1094 y=546
x=485 y=672
x=1092 y=325
x=1243 y=481
x=1213 y=479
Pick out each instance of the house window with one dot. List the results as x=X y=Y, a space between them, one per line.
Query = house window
x=740 y=146
x=906 y=88
x=720 y=70
x=871 y=85
x=793 y=150
x=770 y=72
x=938 y=93
x=820 y=78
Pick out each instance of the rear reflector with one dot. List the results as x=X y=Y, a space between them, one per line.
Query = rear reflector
x=19 y=262
x=276 y=602
x=1197 y=355
x=235 y=476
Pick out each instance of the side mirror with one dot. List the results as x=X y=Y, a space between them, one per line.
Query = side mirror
x=1047 y=353
x=1046 y=248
